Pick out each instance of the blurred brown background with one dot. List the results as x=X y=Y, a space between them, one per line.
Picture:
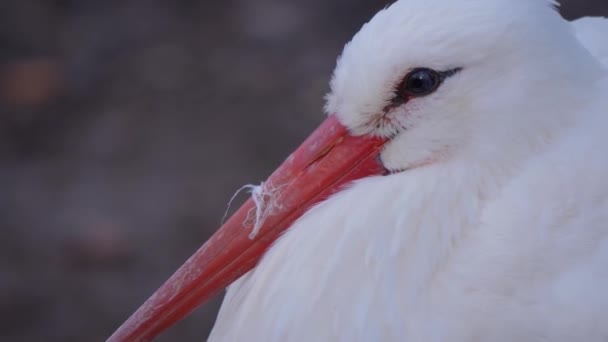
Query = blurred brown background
x=125 y=128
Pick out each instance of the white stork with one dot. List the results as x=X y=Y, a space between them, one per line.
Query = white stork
x=458 y=191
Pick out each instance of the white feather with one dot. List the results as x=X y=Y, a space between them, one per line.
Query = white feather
x=504 y=237
x=593 y=33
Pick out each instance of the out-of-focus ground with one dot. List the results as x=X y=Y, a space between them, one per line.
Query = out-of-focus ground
x=125 y=128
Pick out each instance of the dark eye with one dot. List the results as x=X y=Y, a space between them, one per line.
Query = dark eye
x=420 y=82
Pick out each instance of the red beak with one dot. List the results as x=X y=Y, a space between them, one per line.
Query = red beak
x=325 y=162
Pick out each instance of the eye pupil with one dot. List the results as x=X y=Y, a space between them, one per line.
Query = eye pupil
x=418 y=83
x=421 y=82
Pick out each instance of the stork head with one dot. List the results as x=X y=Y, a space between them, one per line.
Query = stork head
x=424 y=81
x=444 y=79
